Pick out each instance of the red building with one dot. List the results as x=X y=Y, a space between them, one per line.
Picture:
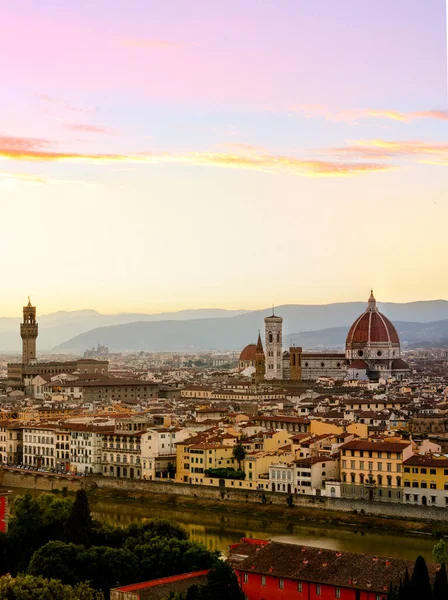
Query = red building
x=269 y=570
x=3 y=513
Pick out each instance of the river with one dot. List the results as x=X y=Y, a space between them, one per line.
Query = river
x=216 y=531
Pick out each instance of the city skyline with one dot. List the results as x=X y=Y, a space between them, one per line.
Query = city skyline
x=222 y=156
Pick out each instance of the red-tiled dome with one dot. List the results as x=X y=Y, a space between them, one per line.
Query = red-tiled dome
x=372 y=327
x=399 y=365
x=248 y=353
x=358 y=364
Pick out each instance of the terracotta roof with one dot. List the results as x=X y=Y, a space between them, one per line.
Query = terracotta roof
x=320 y=565
x=399 y=364
x=375 y=446
x=157 y=589
x=358 y=364
x=248 y=353
x=426 y=461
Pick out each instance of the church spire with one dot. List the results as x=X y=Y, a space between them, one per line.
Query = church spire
x=372 y=302
x=259 y=349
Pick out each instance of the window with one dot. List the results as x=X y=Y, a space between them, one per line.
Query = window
x=299 y=583
x=318 y=590
x=370 y=466
x=281 y=583
x=352 y=464
x=263 y=580
x=423 y=471
x=246 y=577
x=380 y=466
x=337 y=592
x=432 y=471
x=432 y=485
x=407 y=470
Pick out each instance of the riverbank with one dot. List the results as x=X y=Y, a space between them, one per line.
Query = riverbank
x=217 y=530
x=335 y=512
x=272 y=512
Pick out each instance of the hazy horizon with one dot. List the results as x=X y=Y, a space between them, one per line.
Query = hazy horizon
x=210 y=308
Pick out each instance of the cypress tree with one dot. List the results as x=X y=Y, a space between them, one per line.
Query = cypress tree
x=420 y=588
x=78 y=529
x=440 y=591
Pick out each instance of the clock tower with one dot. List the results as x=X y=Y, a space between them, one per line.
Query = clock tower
x=28 y=333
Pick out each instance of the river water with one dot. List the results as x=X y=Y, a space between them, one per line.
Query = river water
x=217 y=531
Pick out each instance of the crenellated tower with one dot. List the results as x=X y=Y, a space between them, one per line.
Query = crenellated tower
x=29 y=333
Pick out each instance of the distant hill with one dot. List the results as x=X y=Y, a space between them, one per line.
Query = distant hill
x=57 y=327
x=239 y=330
x=412 y=335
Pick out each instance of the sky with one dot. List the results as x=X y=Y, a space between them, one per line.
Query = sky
x=165 y=155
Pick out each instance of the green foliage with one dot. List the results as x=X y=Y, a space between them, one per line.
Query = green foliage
x=106 y=567
x=33 y=522
x=440 y=590
x=420 y=585
x=38 y=588
x=79 y=526
x=440 y=552
x=239 y=453
x=221 y=584
x=45 y=535
x=226 y=473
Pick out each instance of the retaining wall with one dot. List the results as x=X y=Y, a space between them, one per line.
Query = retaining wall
x=379 y=509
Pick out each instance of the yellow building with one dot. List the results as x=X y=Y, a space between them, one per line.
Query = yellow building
x=425 y=480
x=373 y=469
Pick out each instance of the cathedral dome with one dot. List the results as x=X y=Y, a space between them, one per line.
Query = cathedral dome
x=248 y=354
x=372 y=327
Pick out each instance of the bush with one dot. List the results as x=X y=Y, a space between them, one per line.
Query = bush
x=226 y=473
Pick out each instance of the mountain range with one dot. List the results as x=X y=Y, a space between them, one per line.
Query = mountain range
x=310 y=326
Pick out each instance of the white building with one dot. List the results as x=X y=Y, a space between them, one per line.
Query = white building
x=158 y=450
x=39 y=446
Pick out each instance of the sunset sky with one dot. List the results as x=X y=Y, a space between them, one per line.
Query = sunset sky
x=161 y=155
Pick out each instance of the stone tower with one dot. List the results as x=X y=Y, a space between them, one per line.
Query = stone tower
x=295 y=362
x=28 y=333
x=260 y=360
x=273 y=326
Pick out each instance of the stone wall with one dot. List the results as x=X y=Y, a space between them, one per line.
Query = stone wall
x=39 y=481
x=377 y=509
x=48 y=483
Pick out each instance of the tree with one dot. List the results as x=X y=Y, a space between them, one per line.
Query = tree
x=440 y=591
x=57 y=560
x=38 y=588
x=222 y=584
x=79 y=526
x=440 y=552
x=239 y=453
x=420 y=585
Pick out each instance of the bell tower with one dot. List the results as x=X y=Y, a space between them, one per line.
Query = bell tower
x=28 y=333
x=274 y=342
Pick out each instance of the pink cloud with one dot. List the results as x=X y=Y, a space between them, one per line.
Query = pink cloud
x=354 y=115
x=84 y=128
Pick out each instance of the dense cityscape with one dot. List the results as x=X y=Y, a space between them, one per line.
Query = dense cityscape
x=361 y=431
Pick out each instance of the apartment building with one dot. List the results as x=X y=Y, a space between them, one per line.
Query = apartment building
x=122 y=449
x=158 y=455
x=86 y=448
x=39 y=446
x=373 y=469
x=425 y=480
